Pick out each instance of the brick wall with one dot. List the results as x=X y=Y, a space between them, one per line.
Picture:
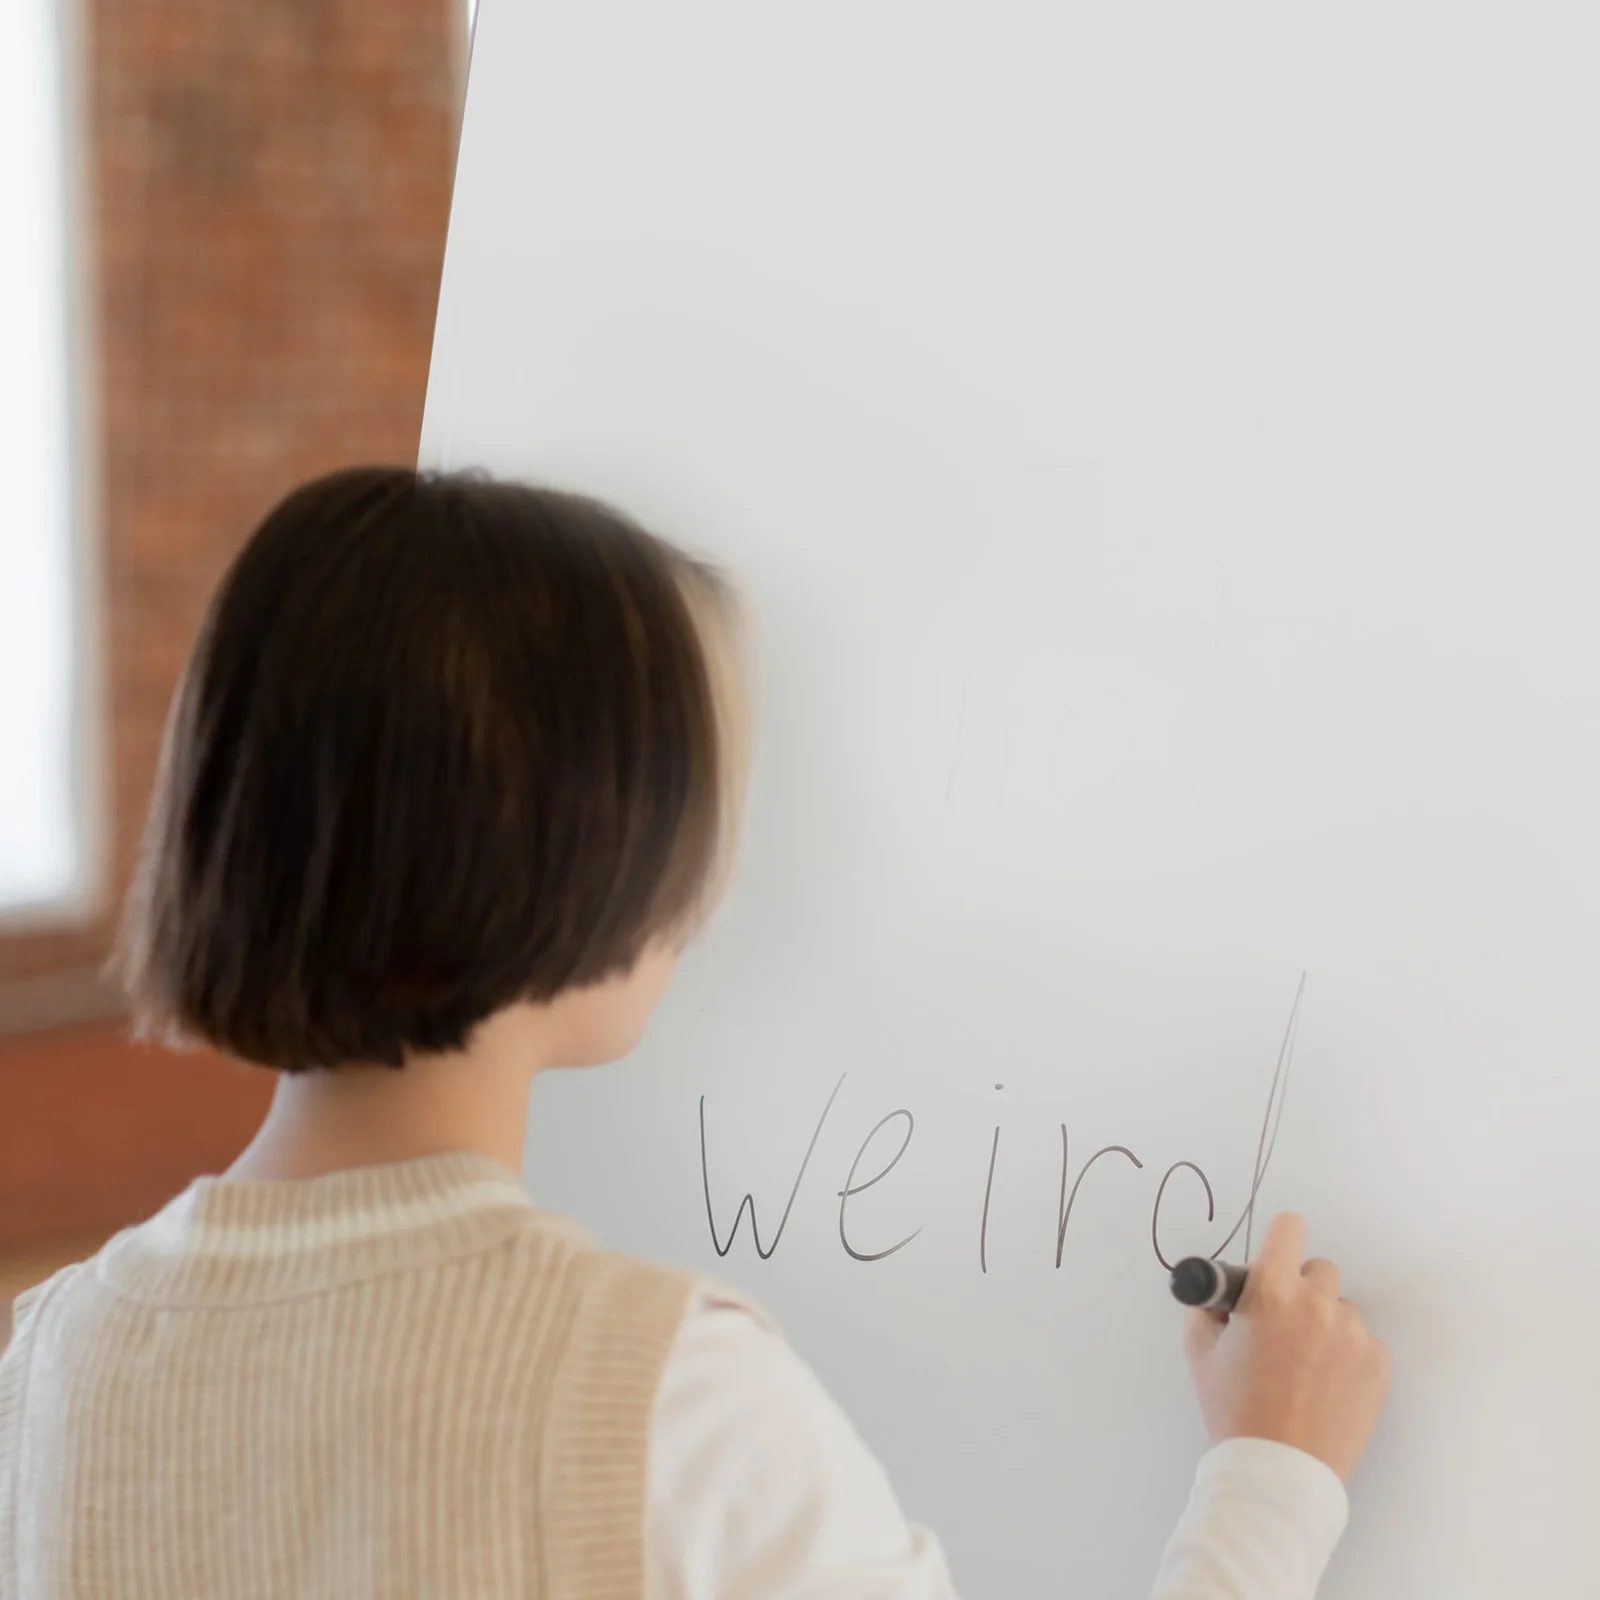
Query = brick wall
x=268 y=192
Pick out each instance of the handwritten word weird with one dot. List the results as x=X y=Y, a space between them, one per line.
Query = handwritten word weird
x=1070 y=1183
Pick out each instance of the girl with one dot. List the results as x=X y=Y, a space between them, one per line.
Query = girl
x=453 y=774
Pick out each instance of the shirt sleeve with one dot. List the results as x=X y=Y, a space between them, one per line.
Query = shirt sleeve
x=760 y=1489
x=1261 y=1524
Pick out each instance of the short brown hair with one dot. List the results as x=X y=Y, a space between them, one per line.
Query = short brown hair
x=443 y=743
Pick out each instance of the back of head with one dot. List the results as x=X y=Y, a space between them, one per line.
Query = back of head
x=443 y=744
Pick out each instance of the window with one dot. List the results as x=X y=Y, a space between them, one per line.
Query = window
x=44 y=795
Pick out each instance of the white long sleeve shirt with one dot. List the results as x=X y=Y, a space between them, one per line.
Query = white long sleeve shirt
x=760 y=1489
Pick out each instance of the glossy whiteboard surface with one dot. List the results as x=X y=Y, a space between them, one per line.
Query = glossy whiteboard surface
x=1159 y=444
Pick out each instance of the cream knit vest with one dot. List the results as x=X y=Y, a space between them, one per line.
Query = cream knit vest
x=399 y=1381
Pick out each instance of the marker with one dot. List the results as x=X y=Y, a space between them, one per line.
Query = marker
x=1207 y=1285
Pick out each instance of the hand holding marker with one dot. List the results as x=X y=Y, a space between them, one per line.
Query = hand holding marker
x=1276 y=1353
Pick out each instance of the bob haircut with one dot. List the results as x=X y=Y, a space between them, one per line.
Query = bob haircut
x=443 y=743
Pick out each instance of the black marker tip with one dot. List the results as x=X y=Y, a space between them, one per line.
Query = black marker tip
x=1194 y=1281
x=1211 y=1285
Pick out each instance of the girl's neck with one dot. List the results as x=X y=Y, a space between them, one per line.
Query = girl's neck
x=357 y=1116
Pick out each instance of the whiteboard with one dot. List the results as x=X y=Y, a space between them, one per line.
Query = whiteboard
x=1159 y=446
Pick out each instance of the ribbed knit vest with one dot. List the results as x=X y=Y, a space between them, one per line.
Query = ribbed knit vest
x=396 y=1381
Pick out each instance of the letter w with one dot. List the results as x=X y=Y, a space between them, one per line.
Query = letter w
x=749 y=1201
